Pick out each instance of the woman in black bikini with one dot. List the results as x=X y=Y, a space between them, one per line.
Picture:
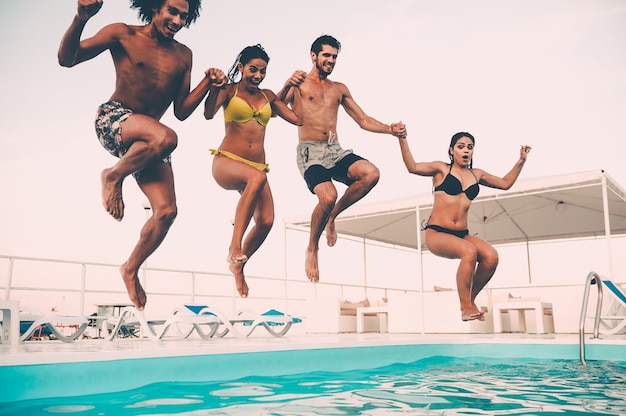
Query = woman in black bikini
x=455 y=185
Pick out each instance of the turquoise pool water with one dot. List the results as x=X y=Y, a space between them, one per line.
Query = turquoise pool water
x=431 y=386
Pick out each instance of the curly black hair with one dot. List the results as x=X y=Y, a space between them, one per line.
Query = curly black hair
x=146 y=9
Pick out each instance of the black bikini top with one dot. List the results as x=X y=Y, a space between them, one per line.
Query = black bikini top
x=452 y=186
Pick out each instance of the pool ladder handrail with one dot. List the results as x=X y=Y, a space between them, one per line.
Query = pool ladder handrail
x=592 y=278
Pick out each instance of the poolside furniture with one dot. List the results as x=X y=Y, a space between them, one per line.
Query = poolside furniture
x=10 y=322
x=103 y=312
x=541 y=313
x=36 y=323
x=334 y=316
x=380 y=311
x=132 y=322
x=613 y=318
x=244 y=322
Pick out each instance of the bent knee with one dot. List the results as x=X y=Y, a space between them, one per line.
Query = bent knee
x=374 y=175
x=490 y=259
x=327 y=201
x=366 y=172
x=326 y=194
x=265 y=222
x=469 y=253
x=257 y=180
x=166 y=215
x=168 y=141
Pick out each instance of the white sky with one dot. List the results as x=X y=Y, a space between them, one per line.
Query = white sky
x=548 y=73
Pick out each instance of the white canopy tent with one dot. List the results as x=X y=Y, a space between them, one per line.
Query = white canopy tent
x=576 y=205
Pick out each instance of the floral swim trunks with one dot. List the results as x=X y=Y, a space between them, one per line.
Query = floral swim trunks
x=109 y=118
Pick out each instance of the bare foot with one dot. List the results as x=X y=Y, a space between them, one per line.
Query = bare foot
x=135 y=291
x=331 y=233
x=240 y=280
x=310 y=266
x=112 y=196
x=472 y=314
x=236 y=256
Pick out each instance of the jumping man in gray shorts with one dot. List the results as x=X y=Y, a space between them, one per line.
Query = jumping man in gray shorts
x=321 y=159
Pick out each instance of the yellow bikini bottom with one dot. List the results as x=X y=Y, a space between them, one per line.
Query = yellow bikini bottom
x=260 y=166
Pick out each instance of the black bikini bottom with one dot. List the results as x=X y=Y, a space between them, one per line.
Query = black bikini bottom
x=456 y=233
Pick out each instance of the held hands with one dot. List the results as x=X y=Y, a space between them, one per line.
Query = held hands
x=296 y=79
x=88 y=8
x=398 y=130
x=523 y=153
x=216 y=77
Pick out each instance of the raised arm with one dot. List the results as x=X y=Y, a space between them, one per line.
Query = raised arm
x=363 y=120
x=509 y=179
x=71 y=50
x=417 y=168
x=218 y=94
x=286 y=93
x=186 y=104
x=292 y=115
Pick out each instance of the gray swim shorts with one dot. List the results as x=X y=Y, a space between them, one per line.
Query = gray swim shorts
x=320 y=161
x=109 y=118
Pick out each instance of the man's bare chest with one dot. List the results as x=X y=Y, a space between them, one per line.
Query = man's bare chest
x=153 y=60
x=320 y=96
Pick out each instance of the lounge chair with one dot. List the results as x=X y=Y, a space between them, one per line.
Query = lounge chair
x=33 y=323
x=244 y=322
x=613 y=319
x=131 y=319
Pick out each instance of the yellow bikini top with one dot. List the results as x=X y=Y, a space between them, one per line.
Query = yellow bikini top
x=239 y=111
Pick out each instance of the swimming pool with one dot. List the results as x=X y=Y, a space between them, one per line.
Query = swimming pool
x=426 y=378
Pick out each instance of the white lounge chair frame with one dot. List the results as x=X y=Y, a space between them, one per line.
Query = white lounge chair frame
x=245 y=322
x=130 y=316
x=51 y=321
x=613 y=320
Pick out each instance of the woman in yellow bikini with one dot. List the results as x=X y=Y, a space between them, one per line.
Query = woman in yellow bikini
x=239 y=162
x=455 y=185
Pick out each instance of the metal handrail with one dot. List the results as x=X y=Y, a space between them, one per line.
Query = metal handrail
x=592 y=278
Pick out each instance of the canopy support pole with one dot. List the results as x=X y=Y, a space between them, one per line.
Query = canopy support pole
x=607 y=224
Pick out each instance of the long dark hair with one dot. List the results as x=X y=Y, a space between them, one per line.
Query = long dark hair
x=146 y=9
x=455 y=139
x=246 y=55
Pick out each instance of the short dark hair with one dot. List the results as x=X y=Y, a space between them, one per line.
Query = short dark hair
x=316 y=47
x=146 y=9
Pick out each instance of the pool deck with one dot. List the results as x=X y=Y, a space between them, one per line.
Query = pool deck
x=93 y=350
x=41 y=369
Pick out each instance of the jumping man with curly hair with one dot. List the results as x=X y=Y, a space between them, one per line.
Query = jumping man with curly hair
x=153 y=71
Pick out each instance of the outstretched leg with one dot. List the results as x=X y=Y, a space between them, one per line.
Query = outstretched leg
x=147 y=141
x=157 y=183
x=326 y=195
x=255 y=201
x=365 y=176
x=263 y=221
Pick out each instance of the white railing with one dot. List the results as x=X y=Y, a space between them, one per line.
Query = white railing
x=75 y=287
